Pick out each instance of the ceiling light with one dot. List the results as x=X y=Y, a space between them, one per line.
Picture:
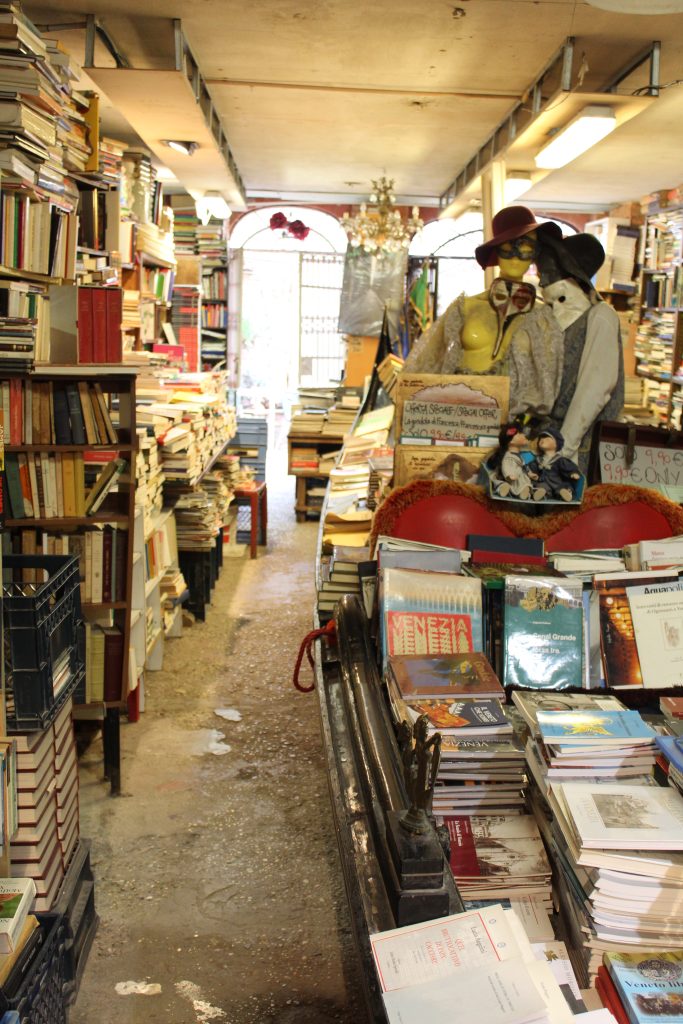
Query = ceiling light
x=187 y=148
x=378 y=228
x=591 y=125
x=516 y=184
x=212 y=204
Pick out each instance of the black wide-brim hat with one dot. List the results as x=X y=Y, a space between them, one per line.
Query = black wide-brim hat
x=579 y=256
x=511 y=223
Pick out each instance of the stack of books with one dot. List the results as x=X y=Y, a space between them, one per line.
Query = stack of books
x=47 y=794
x=184 y=225
x=308 y=421
x=388 y=371
x=593 y=743
x=501 y=856
x=149 y=476
x=339 y=575
x=197 y=519
x=211 y=245
x=619 y=851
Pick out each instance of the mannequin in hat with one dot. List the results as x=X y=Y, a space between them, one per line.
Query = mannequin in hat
x=592 y=386
x=503 y=331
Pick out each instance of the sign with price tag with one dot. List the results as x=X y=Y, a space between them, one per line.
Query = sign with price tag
x=638 y=456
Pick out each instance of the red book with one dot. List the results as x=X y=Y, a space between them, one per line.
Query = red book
x=114 y=300
x=99 y=324
x=16 y=411
x=605 y=988
x=85 y=338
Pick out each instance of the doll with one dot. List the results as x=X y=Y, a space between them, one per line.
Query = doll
x=592 y=386
x=504 y=330
x=510 y=476
x=556 y=473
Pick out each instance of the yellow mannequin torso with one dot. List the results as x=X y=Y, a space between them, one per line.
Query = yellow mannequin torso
x=480 y=326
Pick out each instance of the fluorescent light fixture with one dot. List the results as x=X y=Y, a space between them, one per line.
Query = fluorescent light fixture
x=187 y=148
x=212 y=204
x=589 y=127
x=516 y=184
x=639 y=6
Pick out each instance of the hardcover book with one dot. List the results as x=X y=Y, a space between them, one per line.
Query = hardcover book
x=430 y=613
x=450 y=675
x=650 y=986
x=658 y=627
x=543 y=633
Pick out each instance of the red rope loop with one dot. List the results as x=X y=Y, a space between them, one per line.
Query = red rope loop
x=307 y=649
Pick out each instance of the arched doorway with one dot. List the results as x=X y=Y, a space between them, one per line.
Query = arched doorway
x=286 y=293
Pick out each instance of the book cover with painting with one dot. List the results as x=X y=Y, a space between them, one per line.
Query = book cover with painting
x=650 y=985
x=449 y=675
x=462 y=717
x=543 y=633
x=620 y=660
x=529 y=704
x=429 y=613
x=500 y=845
x=441 y=462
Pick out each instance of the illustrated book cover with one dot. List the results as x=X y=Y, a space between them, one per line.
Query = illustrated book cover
x=543 y=633
x=650 y=986
x=658 y=628
x=449 y=675
x=463 y=717
x=623 y=817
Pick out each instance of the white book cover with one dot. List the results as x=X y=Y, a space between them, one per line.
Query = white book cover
x=16 y=899
x=621 y=817
x=503 y=992
x=435 y=949
x=658 y=627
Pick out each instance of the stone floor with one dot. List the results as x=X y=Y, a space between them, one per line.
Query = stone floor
x=218 y=880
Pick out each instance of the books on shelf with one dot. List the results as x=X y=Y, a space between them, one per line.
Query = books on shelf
x=49 y=412
x=101 y=552
x=53 y=485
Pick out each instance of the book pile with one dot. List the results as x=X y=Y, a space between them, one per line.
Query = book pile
x=149 y=476
x=211 y=245
x=592 y=743
x=501 y=856
x=17 y=344
x=381 y=466
x=462 y=700
x=476 y=966
x=388 y=372
x=173 y=592
x=308 y=421
x=339 y=576
x=619 y=851
x=197 y=520
x=110 y=159
x=184 y=225
x=47 y=797
x=220 y=493
x=338 y=421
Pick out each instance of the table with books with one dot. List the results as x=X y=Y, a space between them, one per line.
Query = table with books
x=551 y=679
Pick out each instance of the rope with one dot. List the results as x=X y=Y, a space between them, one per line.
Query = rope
x=307 y=649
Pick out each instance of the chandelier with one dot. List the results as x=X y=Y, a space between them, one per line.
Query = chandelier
x=377 y=228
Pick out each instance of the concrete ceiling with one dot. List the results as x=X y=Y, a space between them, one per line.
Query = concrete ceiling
x=320 y=96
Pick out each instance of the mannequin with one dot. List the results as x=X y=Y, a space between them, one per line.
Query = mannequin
x=592 y=386
x=505 y=330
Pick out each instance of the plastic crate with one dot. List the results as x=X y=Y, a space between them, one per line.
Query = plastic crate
x=43 y=635
x=76 y=905
x=36 y=986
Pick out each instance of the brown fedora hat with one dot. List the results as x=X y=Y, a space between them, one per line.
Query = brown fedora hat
x=510 y=223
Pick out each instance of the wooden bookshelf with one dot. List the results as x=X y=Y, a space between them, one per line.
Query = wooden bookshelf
x=118 y=383
x=308 y=477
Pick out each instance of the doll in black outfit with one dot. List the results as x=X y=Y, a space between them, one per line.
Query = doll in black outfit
x=556 y=474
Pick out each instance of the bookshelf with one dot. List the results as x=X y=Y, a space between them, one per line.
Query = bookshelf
x=659 y=338
x=104 y=603
x=304 y=453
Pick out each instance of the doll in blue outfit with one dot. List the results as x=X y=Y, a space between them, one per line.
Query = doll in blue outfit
x=555 y=474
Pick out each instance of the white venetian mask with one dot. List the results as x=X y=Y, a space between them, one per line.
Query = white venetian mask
x=567 y=300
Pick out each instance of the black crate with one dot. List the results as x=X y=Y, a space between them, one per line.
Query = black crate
x=43 y=637
x=37 y=985
x=76 y=905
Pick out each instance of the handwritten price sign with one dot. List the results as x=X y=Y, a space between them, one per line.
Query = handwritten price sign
x=651 y=467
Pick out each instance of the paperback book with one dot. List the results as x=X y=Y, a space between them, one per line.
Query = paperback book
x=543 y=633
x=450 y=675
x=650 y=987
x=461 y=717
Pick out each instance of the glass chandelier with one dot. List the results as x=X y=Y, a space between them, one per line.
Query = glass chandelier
x=377 y=228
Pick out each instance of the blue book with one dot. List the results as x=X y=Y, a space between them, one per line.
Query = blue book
x=650 y=985
x=593 y=727
x=672 y=748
